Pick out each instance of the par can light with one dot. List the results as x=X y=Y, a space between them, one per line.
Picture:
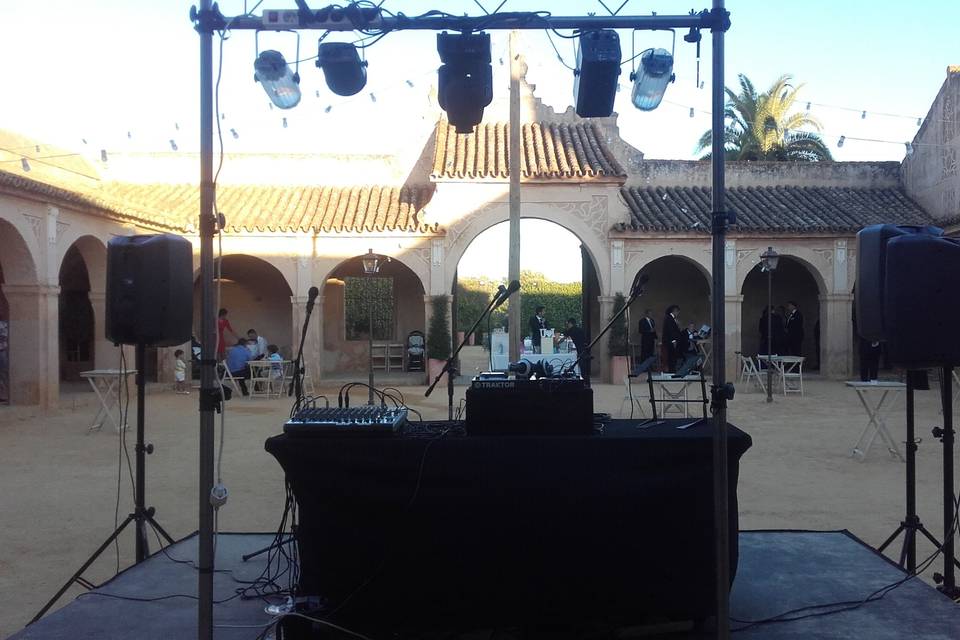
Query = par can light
x=651 y=79
x=282 y=86
x=345 y=73
x=465 y=78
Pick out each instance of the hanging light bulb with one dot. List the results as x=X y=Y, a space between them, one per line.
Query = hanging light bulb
x=909 y=146
x=83 y=140
x=282 y=85
x=691 y=112
x=318 y=93
x=24 y=164
x=840 y=141
x=328 y=109
x=373 y=97
x=234 y=133
x=284 y=123
x=173 y=144
x=129 y=136
x=176 y=125
x=103 y=155
x=808 y=106
x=863 y=116
x=38 y=148
x=918 y=121
x=409 y=84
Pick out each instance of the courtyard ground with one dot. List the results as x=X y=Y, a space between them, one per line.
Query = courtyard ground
x=60 y=484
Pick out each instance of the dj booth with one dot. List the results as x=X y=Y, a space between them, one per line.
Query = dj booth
x=458 y=532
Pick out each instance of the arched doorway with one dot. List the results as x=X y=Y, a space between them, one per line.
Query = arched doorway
x=76 y=317
x=19 y=321
x=395 y=296
x=794 y=281
x=557 y=271
x=257 y=296
x=673 y=280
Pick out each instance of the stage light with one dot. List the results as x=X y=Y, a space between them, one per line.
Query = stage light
x=282 y=86
x=344 y=71
x=595 y=78
x=465 y=78
x=652 y=78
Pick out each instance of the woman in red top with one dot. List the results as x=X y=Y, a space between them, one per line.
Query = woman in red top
x=223 y=324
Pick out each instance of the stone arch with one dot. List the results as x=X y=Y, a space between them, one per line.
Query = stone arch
x=674 y=279
x=463 y=233
x=258 y=296
x=801 y=255
x=794 y=279
x=346 y=347
x=19 y=321
x=77 y=318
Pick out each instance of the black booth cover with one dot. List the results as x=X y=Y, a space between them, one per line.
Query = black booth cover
x=513 y=530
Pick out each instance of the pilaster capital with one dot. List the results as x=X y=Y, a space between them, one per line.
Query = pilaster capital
x=28 y=290
x=841 y=298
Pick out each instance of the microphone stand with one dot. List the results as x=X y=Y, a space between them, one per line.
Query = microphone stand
x=635 y=292
x=296 y=385
x=449 y=368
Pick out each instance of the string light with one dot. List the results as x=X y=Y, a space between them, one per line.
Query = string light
x=691 y=112
x=318 y=93
x=24 y=164
x=328 y=109
x=918 y=121
x=909 y=146
x=863 y=116
x=808 y=106
x=410 y=83
x=83 y=140
x=38 y=148
x=129 y=136
x=373 y=97
x=176 y=125
x=284 y=123
x=173 y=144
x=103 y=155
x=840 y=141
x=234 y=133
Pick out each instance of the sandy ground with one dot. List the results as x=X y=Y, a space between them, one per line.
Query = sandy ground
x=60 y=484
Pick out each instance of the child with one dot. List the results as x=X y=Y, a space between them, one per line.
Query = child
x=180 y=373
x=276 y=370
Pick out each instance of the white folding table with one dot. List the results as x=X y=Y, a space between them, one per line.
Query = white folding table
x=878 y=399
x=106 y=384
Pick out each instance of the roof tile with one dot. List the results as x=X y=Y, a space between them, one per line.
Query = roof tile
x=771 y=209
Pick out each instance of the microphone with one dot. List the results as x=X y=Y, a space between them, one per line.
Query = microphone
x=511 y=289
x=639 y=281
x=499 y=294
x=312 y=298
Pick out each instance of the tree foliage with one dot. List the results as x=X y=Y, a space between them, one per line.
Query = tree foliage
x=438 y=338
x=562 y=300
x=617 y=340
x=760 y=126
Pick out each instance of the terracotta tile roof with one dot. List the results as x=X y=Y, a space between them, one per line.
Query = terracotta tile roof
x=766 y=209
x=86 y=199
x=549 y=151
x=356 y=209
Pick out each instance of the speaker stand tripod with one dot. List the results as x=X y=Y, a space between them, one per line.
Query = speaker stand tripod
x=911 y=525
x=141 y=516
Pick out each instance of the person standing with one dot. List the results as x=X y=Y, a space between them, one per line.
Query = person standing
x=180 y=373
x=579 y=338
x=648 y=335
x=674 y=338
x=537 y=322
x=223 y=325
x=794 y=329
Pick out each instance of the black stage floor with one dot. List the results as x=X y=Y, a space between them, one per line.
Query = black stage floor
x=778 y=571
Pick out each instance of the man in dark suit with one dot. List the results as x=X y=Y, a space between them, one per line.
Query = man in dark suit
x=674 y=338
x=579 y=338
x=536 y=323
x=648 y=335
x=794 y=329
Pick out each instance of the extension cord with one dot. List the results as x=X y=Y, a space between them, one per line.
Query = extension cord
x=218 y=495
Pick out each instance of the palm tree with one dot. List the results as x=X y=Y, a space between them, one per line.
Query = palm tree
x=761 y=127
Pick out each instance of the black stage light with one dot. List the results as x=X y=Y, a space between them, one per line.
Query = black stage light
x=595 y=78
x=465 y=78
x=344 y=71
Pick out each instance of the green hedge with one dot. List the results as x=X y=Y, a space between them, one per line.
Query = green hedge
x=562 y=300
x=438 y=337
x=617 y=342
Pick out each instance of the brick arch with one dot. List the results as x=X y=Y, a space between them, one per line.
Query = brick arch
x=94 y=253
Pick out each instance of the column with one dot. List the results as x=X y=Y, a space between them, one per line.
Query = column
x=312 y=351
x=600 y=352
x=105 y=355
x=34 y=344
x=732 y=308
x=836 y=335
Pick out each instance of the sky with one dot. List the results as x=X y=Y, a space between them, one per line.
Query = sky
x=123 y=75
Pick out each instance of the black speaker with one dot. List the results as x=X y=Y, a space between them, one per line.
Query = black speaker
x=871 y=275
x=149 y=290
x=920 y=302
x=595 y=78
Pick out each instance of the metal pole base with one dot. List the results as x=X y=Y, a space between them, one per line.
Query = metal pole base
x=910 y=527
x=140 y=520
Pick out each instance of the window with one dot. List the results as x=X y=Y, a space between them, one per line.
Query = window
x=358 y=294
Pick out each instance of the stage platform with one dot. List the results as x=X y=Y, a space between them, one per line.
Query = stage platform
x=779 y=571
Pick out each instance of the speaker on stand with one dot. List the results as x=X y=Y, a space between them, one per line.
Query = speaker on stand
x=149 y=301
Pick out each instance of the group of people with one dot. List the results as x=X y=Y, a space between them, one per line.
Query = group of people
x=678 y=343
x=235 y=358
x=571 y=330
x=786 y=330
